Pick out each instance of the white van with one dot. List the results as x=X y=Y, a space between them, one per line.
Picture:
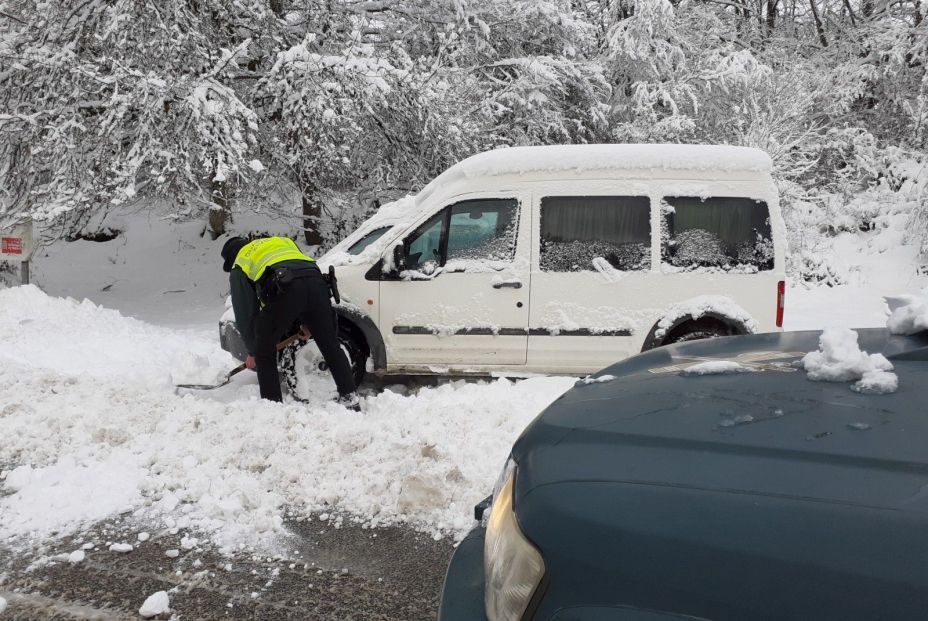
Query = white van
x=563 y=259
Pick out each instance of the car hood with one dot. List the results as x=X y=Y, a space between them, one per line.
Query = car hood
x=771 y=432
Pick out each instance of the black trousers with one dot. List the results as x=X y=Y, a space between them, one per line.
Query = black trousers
x=306 y=299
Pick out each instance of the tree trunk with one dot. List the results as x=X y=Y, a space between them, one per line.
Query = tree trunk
x=219 y=210
x=818 y=24
x=312 y=216
x=771 y=16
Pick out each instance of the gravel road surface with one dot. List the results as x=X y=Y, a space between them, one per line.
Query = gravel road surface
x=326 y=573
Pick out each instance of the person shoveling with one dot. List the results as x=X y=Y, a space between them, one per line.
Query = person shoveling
x=280 y=346
x=274 y=285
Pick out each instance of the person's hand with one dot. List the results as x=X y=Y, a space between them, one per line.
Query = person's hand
x=250 y=362
x=305 y=334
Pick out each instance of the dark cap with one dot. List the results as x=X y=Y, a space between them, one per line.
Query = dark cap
x=230 y=250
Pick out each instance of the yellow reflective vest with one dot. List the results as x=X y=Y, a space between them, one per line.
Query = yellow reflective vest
x=257 y=256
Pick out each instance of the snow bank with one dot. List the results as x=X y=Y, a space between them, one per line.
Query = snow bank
x=76 y=489
x=908 y=314
x=840 y=359
x=81 y=338
x=91 y=439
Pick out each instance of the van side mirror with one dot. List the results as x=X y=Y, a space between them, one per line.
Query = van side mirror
x=399 y=258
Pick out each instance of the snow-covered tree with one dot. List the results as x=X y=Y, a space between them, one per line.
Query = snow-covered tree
x=104 y=102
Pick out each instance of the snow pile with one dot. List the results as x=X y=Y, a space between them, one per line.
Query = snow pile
x=156 y=604
x=908 y=314
x=840 y=359
x=81 y=338
x=88 y=444
x=717 y=367
x=705 y=305
x=84 y=487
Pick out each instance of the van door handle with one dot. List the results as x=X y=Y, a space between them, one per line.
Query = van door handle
x=512 y=284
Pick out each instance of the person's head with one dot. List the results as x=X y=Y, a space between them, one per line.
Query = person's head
x=230 y=250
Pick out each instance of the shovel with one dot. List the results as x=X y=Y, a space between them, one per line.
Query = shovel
x=284 y=343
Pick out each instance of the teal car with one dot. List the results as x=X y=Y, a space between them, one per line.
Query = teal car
x=666 y=495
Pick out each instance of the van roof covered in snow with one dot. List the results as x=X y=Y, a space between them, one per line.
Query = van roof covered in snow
x=584 y=159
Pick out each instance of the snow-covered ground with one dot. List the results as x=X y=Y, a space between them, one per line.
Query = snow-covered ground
x=92 y=419
x=91 y=424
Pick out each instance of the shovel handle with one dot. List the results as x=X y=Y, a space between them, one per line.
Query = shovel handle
x=283 y=344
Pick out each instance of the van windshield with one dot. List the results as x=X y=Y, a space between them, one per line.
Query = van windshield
x=718 y=233
x=359 y=246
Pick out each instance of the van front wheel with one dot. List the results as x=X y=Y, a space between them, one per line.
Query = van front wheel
x=305 y=373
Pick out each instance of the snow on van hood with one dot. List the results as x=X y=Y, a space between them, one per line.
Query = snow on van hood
x=391 y=214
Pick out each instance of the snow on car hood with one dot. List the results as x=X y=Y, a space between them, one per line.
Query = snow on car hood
x=654 y=423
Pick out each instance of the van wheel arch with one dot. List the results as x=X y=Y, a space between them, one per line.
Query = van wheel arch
x=709 y=324
x=363 y=330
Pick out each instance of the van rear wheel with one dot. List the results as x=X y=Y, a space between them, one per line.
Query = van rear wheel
x=698 y=330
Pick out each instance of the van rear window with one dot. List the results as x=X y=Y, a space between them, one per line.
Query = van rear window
x=716 y=234
x=580 y=233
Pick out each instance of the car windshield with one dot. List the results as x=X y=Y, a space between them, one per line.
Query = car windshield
x=359 y=246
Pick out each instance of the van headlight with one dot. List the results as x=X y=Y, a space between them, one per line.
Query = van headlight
x=513 y=567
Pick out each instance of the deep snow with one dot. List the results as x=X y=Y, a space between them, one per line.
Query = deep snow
x=92 y=425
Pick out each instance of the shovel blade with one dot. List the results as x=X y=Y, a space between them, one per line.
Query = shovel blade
x=203 y=386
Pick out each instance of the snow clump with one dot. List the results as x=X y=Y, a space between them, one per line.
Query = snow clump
x=840 y=359
x=156 y=604
x=595 y=380
x=717 y=367
x=908 y=314
x=2 y=604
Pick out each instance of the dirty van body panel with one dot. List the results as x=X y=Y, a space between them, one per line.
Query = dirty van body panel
x=468 y=306
x=586 y=319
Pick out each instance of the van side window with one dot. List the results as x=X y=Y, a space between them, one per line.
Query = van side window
x=576 y=231
x=725 y=234
x=423 y=247
x=482 y=230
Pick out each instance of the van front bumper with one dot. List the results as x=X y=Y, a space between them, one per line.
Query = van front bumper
x=462 y=594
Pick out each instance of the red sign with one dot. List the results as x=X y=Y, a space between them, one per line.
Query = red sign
x=11 y=245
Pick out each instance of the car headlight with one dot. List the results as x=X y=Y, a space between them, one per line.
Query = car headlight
x=513 y=567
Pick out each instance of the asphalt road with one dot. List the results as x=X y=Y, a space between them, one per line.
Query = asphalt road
x=326 y=573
